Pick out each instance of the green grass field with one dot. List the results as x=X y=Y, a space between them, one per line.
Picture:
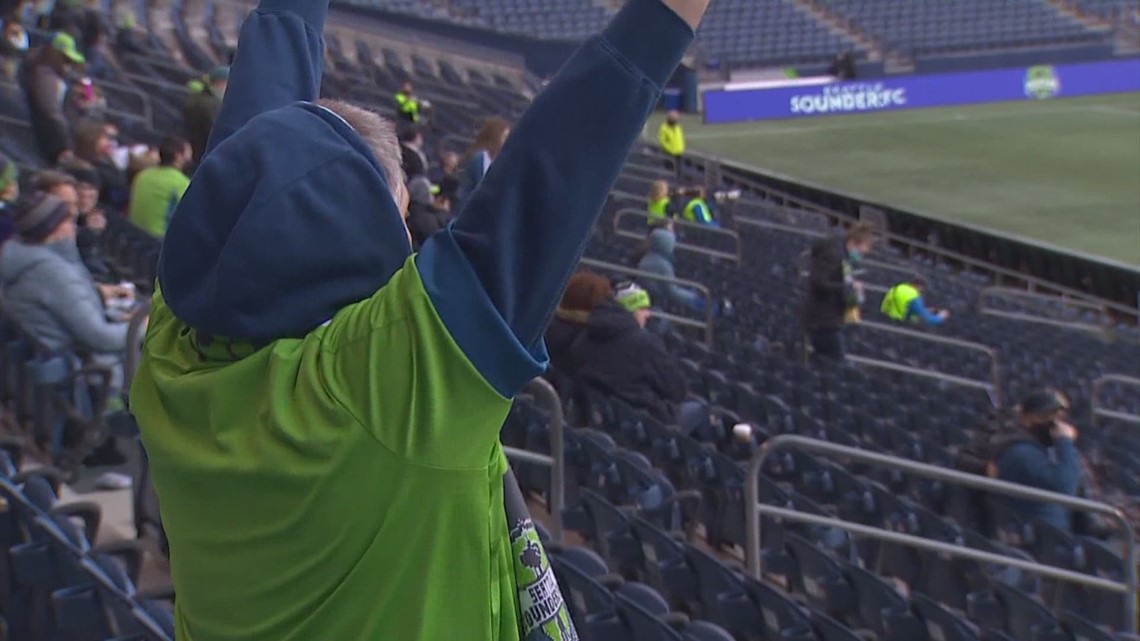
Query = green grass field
x=1066 y=172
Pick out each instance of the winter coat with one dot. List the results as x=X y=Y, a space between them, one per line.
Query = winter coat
x=616 y=356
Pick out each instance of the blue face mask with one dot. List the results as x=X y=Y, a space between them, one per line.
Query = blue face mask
x=854 y=255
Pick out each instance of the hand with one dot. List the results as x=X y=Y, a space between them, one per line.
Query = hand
x=944 y=314
x=1061 y=429
x=109 y=291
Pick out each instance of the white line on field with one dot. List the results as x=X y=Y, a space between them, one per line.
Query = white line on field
x=808 y=127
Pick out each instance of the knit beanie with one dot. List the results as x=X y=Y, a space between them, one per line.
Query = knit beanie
x=631 y=296
x=39 y=215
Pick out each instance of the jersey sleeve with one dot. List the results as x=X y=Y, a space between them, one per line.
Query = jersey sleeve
x=391 y=362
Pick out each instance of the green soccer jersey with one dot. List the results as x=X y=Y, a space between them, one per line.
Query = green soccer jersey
x=295 y=466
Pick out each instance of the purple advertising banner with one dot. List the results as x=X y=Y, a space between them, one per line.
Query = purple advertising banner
x=1041 y=82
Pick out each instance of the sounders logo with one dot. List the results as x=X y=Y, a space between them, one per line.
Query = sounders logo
x=847 y=98
x=1041 y=82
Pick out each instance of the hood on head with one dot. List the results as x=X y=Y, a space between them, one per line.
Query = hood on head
x=662 y=241
x=286 y=222
x=610 y=320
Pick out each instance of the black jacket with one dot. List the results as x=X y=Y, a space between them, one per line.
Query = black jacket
x=423 y=221
x=43 y=85
x=414 y=161
x=827 y=295
x=616 y=356
x=564 y=330
x=199 y=114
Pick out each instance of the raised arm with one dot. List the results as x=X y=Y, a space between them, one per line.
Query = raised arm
x=524 y=228
x=280 y=58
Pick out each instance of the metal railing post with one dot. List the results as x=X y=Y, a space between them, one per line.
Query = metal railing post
x=753 y=509
x=1098 y=411
x=540 y=388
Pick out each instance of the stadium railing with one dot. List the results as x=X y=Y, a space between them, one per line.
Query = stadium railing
x=753 y=508
x=987 y=296
x=715 y=175
x=556 y=461
x=641 y=215
x=1099 y=412
x=706 y=324
x=991 y=387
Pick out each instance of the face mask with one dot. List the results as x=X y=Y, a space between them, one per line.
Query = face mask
x=854 y=255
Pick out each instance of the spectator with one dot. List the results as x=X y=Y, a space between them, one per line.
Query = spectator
x=697 y=209
x=616 y=355
x=49 y=294
x=482 y=153
x=660 y=205
x=583 y=293
x=658 y=259
x=9 y=193
x=903 y=303
x=91 y=222
x=130 y=38
x=13 y=45
x=43 y=79
x=672 y=138
x=407 y=104
x=300 y=359
x=202 y=108
x=415 y=161
x=427 y=212
x=843 y=67
x=833 y=290
x=157 y=190
x=96 y=144
x=83 y=102
x=1041 y=453
x=447 y=176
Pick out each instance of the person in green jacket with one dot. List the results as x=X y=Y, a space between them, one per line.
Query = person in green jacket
x=157 y=190
x=320 y=406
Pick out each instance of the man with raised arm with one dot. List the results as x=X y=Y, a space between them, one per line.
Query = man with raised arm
x=320 y=407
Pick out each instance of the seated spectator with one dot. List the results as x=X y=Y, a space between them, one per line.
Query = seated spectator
x=202 y=108
x=616 y=355
x=130 y=38
x=658 y=259
x=482 y=153
x=414 y=159
x=427 y=212
x=83 y=102
x=96 y=144
x=158 y=190
x=50 y=295
x=447 y=175
x=1041 y=452
x=43 y=79
x=904 y=303
x=660 y=205
x=13 y=45
x=583 y=293
x=91 y=221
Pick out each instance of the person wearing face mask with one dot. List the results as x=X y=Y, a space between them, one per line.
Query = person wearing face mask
x=833 y=292
x=1041 y=453
x=43 y=77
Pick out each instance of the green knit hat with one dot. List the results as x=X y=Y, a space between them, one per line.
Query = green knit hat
x=632 y=297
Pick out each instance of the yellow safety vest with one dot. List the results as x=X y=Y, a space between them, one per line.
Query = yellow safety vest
x=896 y=302
x=408 y=106
x=659 y=208
x=697 y=211
x=672 y=139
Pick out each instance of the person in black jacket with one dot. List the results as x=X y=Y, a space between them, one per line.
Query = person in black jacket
x=617 y=356
x=585 y=291
x=428 y=212
x=414 y=159
x=833 y=288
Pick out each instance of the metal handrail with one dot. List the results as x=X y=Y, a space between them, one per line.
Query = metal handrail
x=1098 y=412
x=147 y=110
x=707 y=324
x=1063 y=299
x=754 y=509
x=910 y=244
x=683 y=224
x=768 y=224
x=994 y=383
x=556 y=461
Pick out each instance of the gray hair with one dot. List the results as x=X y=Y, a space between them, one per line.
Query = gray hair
x=379 y=133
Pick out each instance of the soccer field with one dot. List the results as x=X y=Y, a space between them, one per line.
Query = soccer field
x=1066 y=172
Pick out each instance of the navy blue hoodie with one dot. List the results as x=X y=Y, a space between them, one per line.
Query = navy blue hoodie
x=289 y=218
